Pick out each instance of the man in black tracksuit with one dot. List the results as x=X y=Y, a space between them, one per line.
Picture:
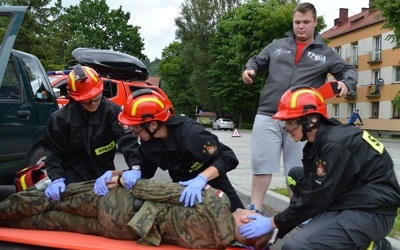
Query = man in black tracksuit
x=81 y=145
x=191 y=154
x=82 y=137
x=347 y=187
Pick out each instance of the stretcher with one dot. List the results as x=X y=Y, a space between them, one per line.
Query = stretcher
x=68 y=240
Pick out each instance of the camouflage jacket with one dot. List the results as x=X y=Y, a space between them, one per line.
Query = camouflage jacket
x=162 y=218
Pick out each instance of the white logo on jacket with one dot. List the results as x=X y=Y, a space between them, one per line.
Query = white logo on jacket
x=281 y=51
x=316 y=57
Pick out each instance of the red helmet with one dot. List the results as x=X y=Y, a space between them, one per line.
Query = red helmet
x=84 y=83
x=143 y=106
x=300 y=101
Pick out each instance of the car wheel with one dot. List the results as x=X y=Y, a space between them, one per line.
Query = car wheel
x=37 y=156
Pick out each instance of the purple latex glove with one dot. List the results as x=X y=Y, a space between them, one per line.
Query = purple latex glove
x=100 y=186
x=193 y=190
x=55 y=189
x=259 y=225
x=131 y=177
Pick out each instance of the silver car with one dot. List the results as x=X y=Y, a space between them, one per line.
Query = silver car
x=223 y=123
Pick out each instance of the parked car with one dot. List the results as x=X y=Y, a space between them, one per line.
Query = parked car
x=122 y=74
x=26 y=101
x=223 y=123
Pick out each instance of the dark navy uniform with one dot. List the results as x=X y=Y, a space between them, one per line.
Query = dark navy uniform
x=348 y=187
x=81 y=145
x=189 y=150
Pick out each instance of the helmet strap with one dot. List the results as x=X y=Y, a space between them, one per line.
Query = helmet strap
x=308 y=124
x=146 y=128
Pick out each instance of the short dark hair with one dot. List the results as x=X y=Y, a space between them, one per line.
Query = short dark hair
x=304 y=7
x=258 y=242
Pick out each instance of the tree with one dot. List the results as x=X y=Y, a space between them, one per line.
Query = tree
x=152 y=66
x=241 y=34
x=175 y=75
x=52 y=33
x=196 y=26
x=390 y=11
x=34 y=32
x=90 y=24
x=102 y=28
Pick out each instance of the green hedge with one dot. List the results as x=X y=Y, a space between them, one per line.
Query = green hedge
x=247 y=126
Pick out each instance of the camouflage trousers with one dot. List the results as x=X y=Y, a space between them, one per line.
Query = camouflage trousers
x=80 y=210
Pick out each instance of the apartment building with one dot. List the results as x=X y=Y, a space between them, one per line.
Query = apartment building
x=361 y=41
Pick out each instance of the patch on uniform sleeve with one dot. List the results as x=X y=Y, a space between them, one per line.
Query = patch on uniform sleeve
x=209 y=149
x=374 y=143
x=320 y=168
x=219 y=193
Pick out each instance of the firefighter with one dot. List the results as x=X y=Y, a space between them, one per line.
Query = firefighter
x=82 y=137
x=192 y=155
x=347 y=187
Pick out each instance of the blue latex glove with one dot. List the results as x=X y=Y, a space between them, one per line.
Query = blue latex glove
x=100 y=186
x=259 y=225
x=55 y=189
x=193 y=189
x=130 y=178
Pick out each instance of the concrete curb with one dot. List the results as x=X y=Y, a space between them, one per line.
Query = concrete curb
x=279 y=202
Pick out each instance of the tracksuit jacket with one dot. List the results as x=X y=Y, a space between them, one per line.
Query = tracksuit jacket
x=317 y=60
x=345 y=168
x=81 y=145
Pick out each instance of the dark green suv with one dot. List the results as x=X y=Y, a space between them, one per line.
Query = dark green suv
x=26 y=101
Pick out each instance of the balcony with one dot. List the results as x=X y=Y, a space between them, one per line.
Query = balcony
x=375 y=56
x=351 y=95
x=374 y=91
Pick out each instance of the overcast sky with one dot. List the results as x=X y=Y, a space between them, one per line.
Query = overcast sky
x=156 y=18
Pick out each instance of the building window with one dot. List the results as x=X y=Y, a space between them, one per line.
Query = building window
x=397 y=74
x=339 y=50
x=374 y=109
x=376 y=74
x=352 y=107
x=376 y=54
x=354 y=54
x=375 y=87
x=396 y=111
x=335 y=110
